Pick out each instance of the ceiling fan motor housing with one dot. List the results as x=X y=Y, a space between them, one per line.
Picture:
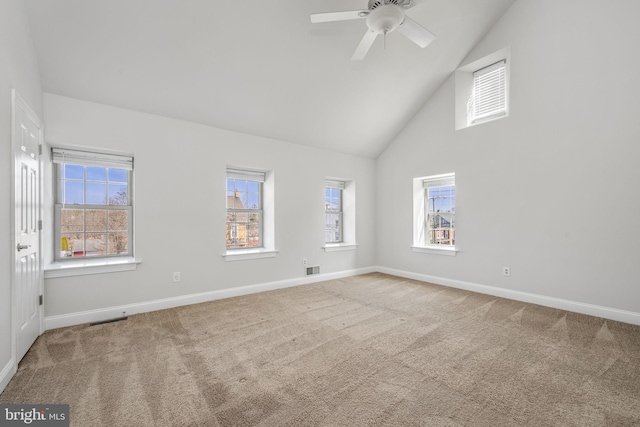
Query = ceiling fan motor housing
x=385 y=18
x=405 y=4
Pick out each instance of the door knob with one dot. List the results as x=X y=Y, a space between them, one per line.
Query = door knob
x=21 y=247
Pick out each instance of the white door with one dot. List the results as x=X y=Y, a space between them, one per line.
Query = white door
x=28 y=267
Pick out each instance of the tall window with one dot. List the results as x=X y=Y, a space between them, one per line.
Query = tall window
x=93 y=204
x=489 y=98
x=244 y=209
x=333 y=211
x=440 y=207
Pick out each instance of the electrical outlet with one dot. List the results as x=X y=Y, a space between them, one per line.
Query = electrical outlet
x=304 y=262
x=176 y=276
x=506 y=271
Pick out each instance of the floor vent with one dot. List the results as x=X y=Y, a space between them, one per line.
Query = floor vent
x=102 y=322
x=312 y=270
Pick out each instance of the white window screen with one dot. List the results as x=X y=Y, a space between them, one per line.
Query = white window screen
x=489 y=92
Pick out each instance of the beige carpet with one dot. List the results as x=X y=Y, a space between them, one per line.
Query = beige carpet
x=370 y=350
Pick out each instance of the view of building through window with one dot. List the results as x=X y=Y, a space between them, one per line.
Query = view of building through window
x=93 y=211
x=244 y=214
x=333 y=211
x=440 y=193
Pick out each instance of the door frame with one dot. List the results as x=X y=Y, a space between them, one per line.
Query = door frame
x=18 y=102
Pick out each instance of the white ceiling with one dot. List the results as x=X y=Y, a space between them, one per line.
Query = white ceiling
x=257 y=67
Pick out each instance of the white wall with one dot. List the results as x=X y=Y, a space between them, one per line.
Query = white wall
x=552 y=190
x=18 y=70
x=180 y=200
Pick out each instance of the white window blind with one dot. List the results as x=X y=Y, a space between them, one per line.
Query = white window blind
x=334 y=184
x=489 y=92
x=439 y=181
x=248 y=175
x=86 y=158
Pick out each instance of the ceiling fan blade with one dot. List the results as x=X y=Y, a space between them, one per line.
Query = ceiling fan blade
x=338 y=16
x=364 y=46
x=415 y=32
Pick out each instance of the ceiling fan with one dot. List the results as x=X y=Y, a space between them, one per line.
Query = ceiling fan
x=383 y=16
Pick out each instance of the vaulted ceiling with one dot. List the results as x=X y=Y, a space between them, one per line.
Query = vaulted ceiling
x=256 y=67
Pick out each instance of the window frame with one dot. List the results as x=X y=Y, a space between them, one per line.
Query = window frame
x=431 y=183
x=422 y=229
x=339 y=186
x=91 y=158
x=247 y=176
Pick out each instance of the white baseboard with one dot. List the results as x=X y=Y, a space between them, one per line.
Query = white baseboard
x=563 y=304
x=7 y=373
x=53 y=322
x=79 y=318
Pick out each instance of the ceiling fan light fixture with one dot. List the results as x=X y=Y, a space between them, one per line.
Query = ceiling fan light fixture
x=385 y=18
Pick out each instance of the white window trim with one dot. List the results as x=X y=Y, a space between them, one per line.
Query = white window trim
x=245 y=254
x=436 y=250
x=90 y=266
x=338 y=247
x=464 y=88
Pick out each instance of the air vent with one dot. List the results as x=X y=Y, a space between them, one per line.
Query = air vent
x=312 y=270
x=375 y=4
x=102 y=322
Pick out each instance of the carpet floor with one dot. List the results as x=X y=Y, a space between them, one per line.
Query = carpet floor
x=369 y=350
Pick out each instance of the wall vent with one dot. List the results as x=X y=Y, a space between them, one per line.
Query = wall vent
x=102 y=322
x=312 y=270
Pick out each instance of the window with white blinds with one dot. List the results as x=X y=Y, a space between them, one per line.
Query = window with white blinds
x=489 y=98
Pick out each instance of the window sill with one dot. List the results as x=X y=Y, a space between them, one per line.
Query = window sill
x=94 y=266
x=244 y=254
x=435 y=250
x=335 y=247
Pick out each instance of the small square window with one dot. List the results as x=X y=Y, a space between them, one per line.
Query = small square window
x=488 y=99
x=482 y=90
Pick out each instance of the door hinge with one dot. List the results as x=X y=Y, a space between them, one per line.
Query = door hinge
x=39 y=224
x=40 y=149
x=41 y=299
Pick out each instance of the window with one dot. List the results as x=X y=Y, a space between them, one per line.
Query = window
x=333 y=211
x=434 y=214
x=93 y=204
x=440 y=204
x=489 y=93
x=482 y=90
x=244 y=224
